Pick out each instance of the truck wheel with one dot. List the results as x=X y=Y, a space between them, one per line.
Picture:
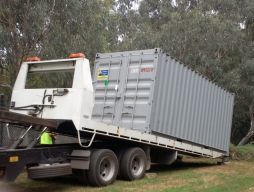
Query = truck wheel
x=103 y=167
x=133 y=164
x=81 y=176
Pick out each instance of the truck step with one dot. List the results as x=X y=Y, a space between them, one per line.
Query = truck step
x=49 y=170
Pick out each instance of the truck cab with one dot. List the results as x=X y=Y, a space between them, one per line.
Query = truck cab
x=54 y=89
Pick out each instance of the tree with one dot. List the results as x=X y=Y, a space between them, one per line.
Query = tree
x=23 y=24
x=213 y=37
x=53 y=29
x=80 y=26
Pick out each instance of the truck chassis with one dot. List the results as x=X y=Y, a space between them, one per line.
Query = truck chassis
x=96 y=159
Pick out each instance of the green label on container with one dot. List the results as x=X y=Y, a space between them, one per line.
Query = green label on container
x=106 y=82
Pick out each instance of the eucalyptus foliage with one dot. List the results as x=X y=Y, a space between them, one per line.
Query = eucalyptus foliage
x=215 y=37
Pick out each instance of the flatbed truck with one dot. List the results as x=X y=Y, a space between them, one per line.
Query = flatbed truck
x=113 y=138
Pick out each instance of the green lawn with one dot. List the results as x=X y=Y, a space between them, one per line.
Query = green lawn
x=191 y=175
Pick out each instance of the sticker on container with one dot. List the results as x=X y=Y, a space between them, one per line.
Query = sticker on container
x=106 y=82
x=147 y=70
x=102 y=74
x=134 y=70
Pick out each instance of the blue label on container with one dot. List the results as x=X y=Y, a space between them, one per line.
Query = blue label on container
x=102 y=74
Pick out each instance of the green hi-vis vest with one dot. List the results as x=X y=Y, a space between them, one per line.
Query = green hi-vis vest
x=46 y=139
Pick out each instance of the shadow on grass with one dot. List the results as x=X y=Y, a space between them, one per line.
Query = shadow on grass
x=179 y=165
x=63 y=181
x=41 y=185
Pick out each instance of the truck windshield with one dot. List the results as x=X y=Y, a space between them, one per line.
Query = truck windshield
x=54 y=74
x=50 y=79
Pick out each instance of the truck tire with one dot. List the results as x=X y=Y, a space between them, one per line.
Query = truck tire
x=81 y=176
x=133 y=164
x=103 y=167
x=48 y=171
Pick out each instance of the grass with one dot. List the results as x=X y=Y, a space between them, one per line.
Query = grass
x=245 y=152
x=191 y=175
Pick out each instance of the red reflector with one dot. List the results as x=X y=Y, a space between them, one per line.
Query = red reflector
x=33 y=59
x=77 y=55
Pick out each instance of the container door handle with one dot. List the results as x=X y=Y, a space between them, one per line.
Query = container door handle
x=130 y=107
x=126 y=113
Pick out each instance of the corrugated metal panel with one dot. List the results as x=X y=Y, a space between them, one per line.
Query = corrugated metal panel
x=149 y=91
x=190 y=107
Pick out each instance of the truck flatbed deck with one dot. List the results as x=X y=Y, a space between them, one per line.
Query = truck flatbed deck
x=25 y=120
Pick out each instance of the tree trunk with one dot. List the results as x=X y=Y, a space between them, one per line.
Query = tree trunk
x=250 y=134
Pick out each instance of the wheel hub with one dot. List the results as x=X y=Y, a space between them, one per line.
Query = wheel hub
x=137 y=165
x=106 y=169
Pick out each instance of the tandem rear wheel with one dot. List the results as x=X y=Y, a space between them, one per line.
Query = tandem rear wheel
x=133 y=163
x=102 y=171
x=105 y=166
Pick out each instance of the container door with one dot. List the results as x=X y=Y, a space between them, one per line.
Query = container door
x=137 y=91
x=107 y=79
x=124 y=88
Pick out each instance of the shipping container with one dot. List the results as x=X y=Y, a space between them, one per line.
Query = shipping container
x=149 y=91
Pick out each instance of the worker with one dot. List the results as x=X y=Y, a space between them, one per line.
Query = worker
x=47 y=138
